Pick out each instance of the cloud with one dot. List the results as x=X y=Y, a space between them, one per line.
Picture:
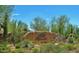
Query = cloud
x=15 y=14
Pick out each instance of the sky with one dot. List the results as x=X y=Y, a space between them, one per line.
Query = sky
x=26 y=13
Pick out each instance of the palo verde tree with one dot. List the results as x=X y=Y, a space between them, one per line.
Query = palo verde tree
x=39 y=24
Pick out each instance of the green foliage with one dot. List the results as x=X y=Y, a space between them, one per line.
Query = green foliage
x=5 y=12
x=20 y=50
x=62 y=26
x=71 y=38
x=36 y=50
x=4 y=48
x=46 y=48
x=5 y=26
x=24 y=44
x=18 y=29
x=54 y=27
x=51 y=48
x=59 y=24
x=39 y=24
x=60 y=48
x=27 y=44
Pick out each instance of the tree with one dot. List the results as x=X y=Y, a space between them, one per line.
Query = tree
x=53 y=26
x=59 y=24
x=62 y=23
x=39 y=24
x=5 y=12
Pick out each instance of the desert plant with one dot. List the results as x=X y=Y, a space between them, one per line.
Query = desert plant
x=39 y=24
x=4 y=48
x=17 y=29
x=36 y=50
x=58 y=24
x=24 y=44
x=5 y=12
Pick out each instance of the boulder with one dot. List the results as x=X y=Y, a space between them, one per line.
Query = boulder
x=44 y=36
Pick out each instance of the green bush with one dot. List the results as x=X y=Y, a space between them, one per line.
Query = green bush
x=49 y=48
x=24 y=44
x=46 y=48
x=4 y=48
x=60 y=48
x=18 y=45
x=35 y=50
x=20 y=50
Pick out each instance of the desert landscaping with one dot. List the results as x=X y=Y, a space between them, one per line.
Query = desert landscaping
x=41 y=36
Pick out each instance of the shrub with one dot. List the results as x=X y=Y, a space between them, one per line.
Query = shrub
x=4 y=48
x=24 y=44
x=17 y=45
x=20 y=50
x=56 y=48
x=35 y=50
x=49 y=47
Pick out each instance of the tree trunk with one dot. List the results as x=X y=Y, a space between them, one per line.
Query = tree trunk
x=5 y=27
